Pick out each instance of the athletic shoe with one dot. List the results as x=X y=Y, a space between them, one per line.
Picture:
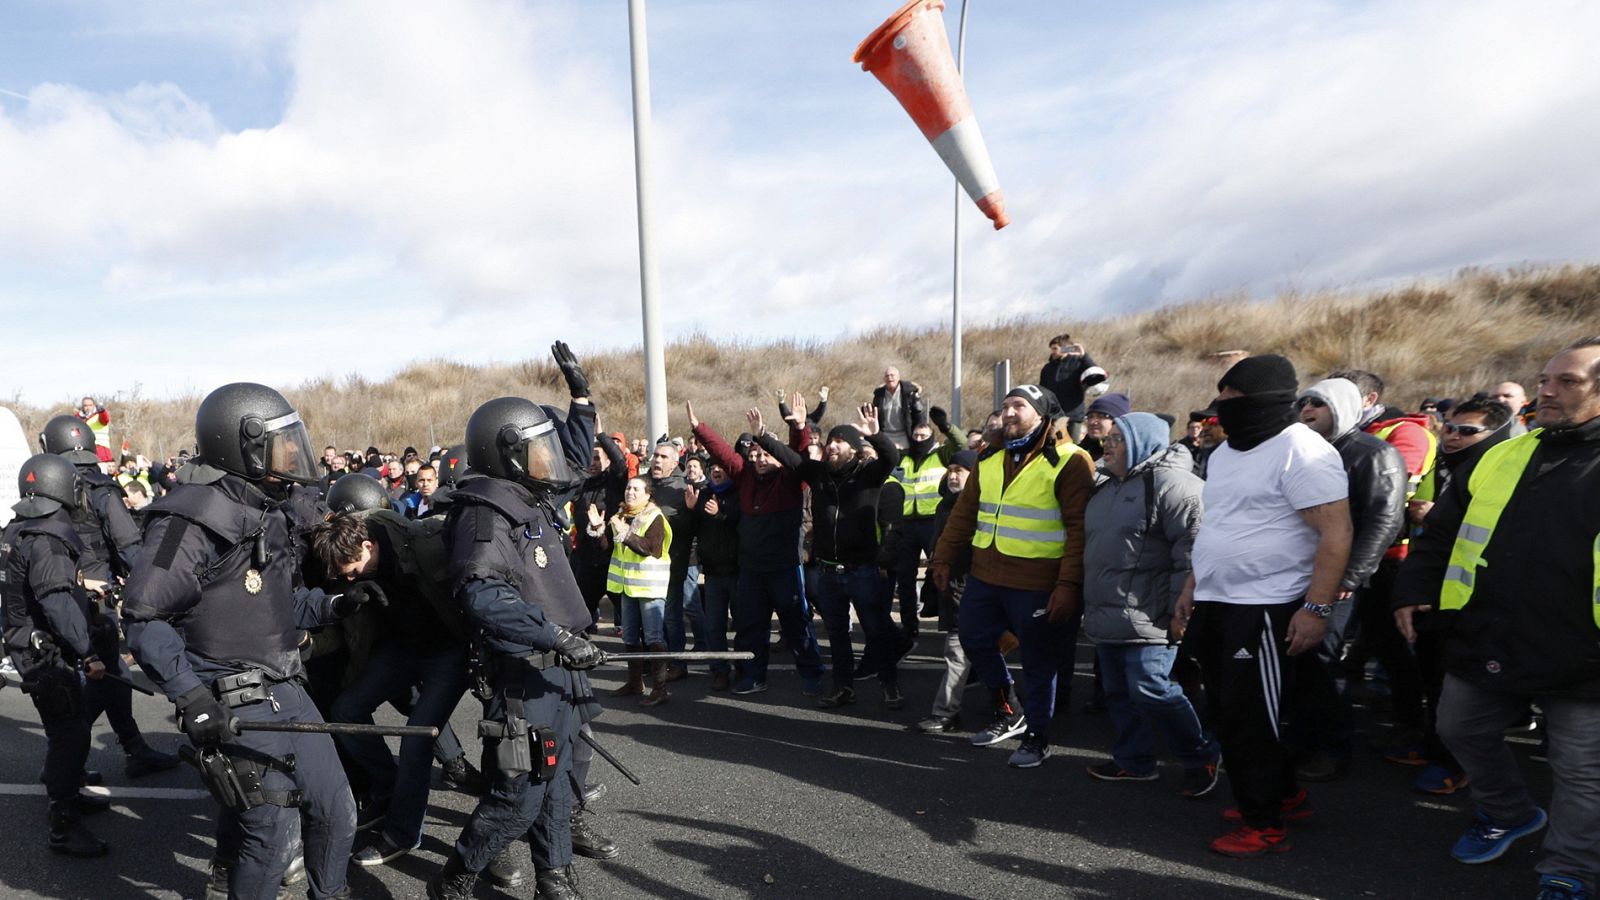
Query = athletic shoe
x=1439 y=780
x=370 y=814
x=936 y=725
x=1409 y=755
x=1561 y=887
x=1003 y=728
x=1035 y=749
x=841 y=696
x=750 y=686
x=1486 y=841
x=375 y=851
x=1245 y=841
x=1110 y=771
x=1199 y=782
x=1292 y=809
x=892 y=698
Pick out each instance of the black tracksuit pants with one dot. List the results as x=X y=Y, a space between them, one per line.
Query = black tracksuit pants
x=1241 y=650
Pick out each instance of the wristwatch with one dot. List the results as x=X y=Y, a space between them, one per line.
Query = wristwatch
x=1321 y=610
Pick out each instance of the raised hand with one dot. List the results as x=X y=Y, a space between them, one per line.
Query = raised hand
x=691 y=497
x=688 y=409
x=797 y=404
x=577 y=381
x=596 y=518
x=758 y=426
x=869 y=418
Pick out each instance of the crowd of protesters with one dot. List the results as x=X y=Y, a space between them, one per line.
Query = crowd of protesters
x=1299 y=541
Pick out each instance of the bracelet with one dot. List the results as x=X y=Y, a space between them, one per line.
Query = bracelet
x=1320 y=610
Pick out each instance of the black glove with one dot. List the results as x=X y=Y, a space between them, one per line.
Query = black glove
x=576 y=652
x=940 y=419
x=358 y=595
x=46 y=652
x=577 y=382
x=203 y=719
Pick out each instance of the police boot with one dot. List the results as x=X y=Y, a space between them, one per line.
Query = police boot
x=453 y=882
x=146 y=760
x=635 y=683
x=506 y=871
x=558 y=884
x=586 y=841
x=67 y=834
x=658 y=679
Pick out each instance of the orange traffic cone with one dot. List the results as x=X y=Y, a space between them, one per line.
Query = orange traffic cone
x=910 y=54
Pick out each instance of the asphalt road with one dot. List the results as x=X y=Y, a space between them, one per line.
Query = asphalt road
x=770 y=797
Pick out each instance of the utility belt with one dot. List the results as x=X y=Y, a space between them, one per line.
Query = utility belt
x=245 y=688
x=520 y=749
x=234 y=776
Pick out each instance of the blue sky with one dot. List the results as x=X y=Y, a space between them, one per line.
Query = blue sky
x=200 y=192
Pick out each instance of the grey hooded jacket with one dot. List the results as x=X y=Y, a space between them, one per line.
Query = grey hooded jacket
x=1136 y=554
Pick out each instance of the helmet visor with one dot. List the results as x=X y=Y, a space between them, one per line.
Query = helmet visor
x=289 y=455
x=543 y=459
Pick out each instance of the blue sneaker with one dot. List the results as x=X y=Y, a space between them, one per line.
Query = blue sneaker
x=1561 y=887
x=749 y=686
x=1437 y=779
x=1486 y=841
x=1035 y=749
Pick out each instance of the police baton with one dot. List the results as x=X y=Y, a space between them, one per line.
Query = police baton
x=111 y=676
x=688 y=655
x=239 y=726
x=606 y=755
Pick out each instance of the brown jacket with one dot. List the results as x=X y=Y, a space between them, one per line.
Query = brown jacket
x=1073 y=487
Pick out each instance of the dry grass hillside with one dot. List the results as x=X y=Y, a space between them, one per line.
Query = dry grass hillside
x=1436 y=338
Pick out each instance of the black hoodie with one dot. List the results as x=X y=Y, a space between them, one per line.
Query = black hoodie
x=844 y=503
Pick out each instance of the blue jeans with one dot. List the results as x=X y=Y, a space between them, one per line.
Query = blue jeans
x=1140 y=693
x=757 y=597
x=694 y=608
x=862 y=586
x=641 y=611
x=441 y=679
x=988 y=611
x=717 y=598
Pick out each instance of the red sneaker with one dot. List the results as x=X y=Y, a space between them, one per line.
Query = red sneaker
x=1293 y=809
x=1244 y=841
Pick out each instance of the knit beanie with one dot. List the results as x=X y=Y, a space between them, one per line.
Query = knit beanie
x=1043 y=400
x=849 y=434
x=1113 y=405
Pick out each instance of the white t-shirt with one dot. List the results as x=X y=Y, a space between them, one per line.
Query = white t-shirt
x=1254 y=548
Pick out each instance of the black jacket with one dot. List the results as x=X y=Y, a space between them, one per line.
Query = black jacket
x=1529 y=627
x=717 y=536
x=1377 y=475
x=844 y=504
x=1064 y=376
x=913 y=409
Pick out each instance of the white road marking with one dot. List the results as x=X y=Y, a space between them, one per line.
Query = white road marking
x=115 y=793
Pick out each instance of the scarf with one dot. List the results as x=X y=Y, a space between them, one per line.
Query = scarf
x=1253 y=419
x=631 y=511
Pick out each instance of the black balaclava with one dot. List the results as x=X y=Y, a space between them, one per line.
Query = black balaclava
x=1270 y=387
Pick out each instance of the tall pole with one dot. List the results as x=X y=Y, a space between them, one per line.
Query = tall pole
x=655 y=362
x=955 y=294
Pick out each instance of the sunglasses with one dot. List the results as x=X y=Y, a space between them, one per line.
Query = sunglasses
x=1112 y=439
x=1313 y=402
x=1468 y=430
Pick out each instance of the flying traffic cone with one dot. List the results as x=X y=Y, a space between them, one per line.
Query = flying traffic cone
x=910 y=54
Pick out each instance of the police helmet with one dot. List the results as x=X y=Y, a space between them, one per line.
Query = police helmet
x=251 y=431
x=71 y=437
x=46 y=482
x=357 y=493
x=452 y=465
x=515 y=439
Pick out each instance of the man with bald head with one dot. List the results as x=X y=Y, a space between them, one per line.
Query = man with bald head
x=900 y=407
x=1511 y=394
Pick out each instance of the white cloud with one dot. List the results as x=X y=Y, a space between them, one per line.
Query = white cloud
x=464 y=160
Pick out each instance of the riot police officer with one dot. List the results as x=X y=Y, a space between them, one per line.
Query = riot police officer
x=513 y=581
x=110 y=544
x=47 y=636
x=214 y=616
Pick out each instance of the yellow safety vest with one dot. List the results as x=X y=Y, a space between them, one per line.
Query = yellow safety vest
x=632 y=574
x=1022 y=519
x=921 y=484
x=1428 y=461
x=1493 y=481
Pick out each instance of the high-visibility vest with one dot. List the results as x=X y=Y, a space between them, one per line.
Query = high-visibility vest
x=1022 y=519
x=922 y=485
x=101 y=430
x=1493 y=481
x=1428 y=461
x=632 y=574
